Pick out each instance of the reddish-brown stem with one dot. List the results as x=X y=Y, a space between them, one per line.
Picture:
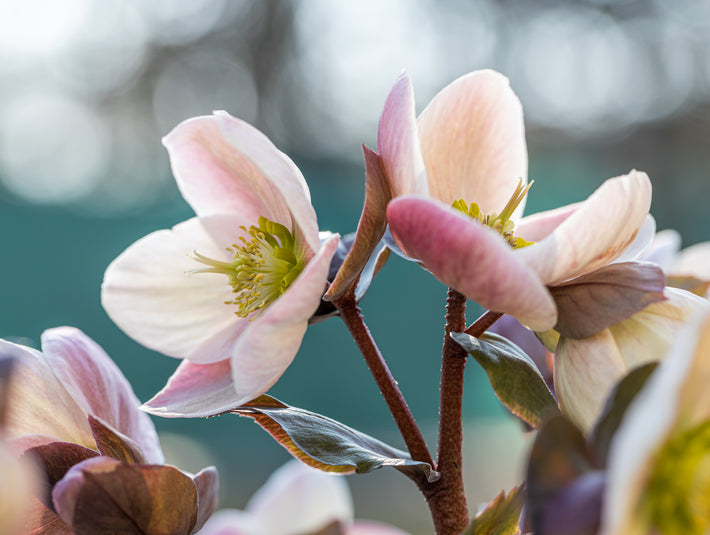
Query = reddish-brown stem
x=351 y=315
x=446 y=497
x=482 y=324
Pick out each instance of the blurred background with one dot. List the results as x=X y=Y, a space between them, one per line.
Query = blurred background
x=88 y=88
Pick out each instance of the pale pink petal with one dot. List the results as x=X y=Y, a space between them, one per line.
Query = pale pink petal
x=195 y=390
x=260 y=355
x=276 y=169
x=537 y=226
x=269 y=344
x=641 y=243
x=663 y=249
x=39 y=404
x=694 y=261
x=300 y=499
x=224 y=165
x=99 y=387
x=471 y=258
x=368 y=527
x=595 y=234
x=20 y=480
x=398 y=141
x=587 y=369
x=473 y=141
x=670 y=397
x=232 y=522
x=148 y=292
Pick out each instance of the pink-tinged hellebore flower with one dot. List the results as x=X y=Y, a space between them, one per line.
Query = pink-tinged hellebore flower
x=587 y=369
x=297 y=499
x=658 y=477
x=457 y=177
x=71 y=410
x=231 y=290
x=469 y=143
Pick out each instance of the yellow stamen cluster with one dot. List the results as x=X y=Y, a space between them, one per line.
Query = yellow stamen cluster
x=677 y=497
x=499 y=222
x=262 y=267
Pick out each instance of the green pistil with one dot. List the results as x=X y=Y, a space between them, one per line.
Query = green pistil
x=677 y=497
x=262 y=267
x=499 y=222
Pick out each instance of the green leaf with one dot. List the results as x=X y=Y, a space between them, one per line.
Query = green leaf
x=618 y=401
x=513 y=375
x=328 y=445
x=501 y=515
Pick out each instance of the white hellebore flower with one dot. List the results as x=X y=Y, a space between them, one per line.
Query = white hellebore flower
x=231 y=290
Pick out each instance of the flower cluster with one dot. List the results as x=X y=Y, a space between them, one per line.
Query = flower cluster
x=603 y=349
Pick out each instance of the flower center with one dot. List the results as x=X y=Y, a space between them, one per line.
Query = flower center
x=262 y=267
x=499 y=222
x=677 y=497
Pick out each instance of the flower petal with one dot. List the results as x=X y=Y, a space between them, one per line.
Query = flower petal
x=195 y=390
x=207 y=485
x=370 y=228
x=300 y=499
x=676 y=392
x=694 y=261
x=398 y=141
x=148 y=293
x=39 y=404
x=663 y=248
x=471 y=258
x=473 y=141
x=269 y=344
x=261 y=354
x=96 y=383
x=595 y=234
x=224 y=165
x=587 y=369
x=276 y=169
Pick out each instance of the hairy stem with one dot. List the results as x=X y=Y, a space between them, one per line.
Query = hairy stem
x=482 y=324
x=351 y=315
x=446 y=497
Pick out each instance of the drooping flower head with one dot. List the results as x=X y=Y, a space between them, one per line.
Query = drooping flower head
x=458 y=181
x=231 y=290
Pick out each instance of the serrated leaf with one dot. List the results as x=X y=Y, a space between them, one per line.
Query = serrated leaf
x=513 y=375
x=501 y=515
x=618 y=401
x=605 y=297
x=326 y=444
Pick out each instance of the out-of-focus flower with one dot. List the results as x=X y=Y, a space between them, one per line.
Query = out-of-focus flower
x=20 y=478
x=688 y=268
x=587 y=369
x=70 y=409
x=297 y=499
x=457 y=176
x=231 y=290
x=658 y=472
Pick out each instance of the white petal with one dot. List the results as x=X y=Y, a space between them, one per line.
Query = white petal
x=148 y=292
